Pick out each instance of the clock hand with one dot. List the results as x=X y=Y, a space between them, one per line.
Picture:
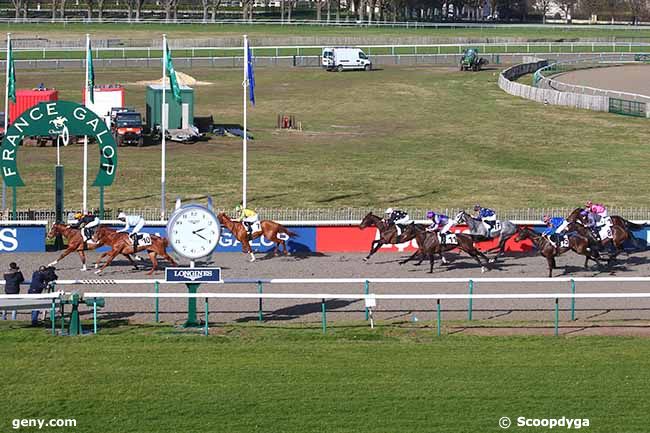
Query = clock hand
x=196 y=231
x=200 y=235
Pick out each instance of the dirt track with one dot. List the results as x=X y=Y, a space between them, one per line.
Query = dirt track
x=631 y=79
x=590 y=312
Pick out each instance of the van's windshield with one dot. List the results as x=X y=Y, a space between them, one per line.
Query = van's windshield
x=328 y=54
x=362 y=55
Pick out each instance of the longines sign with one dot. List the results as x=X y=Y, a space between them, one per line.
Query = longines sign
x=193 y=275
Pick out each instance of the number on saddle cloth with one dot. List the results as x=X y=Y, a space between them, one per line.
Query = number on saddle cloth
x=564 y=241
x=144 y=239
x=605 y=232
x=256 y=227
x=448 y=238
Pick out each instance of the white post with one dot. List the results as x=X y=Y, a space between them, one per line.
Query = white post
x=4 y=185
x=85 y=176
x=245 y=85
x=163 y=128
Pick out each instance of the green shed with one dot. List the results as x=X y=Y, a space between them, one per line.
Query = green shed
x=179 y=115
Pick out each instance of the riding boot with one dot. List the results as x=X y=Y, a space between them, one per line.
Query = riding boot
x=135 y=243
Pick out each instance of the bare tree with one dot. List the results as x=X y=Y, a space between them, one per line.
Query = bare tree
x=318 y=4
x=542 y=6
x=567 y=7
x=62 y=9
x=53 y=9
x=100 y=9
x=138 y=9
x=89 y=8
x=170 y=7
x=639 y=9
x=247 y=9
x=215 y=7
x=25 y=9
x=205 y=5
x=19 y=5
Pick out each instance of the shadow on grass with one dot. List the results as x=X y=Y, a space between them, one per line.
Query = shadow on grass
x=296 y=311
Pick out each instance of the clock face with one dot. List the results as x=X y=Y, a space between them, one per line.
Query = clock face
x=193 y=231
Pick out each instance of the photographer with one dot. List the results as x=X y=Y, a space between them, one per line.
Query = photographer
x=13 y=277
x=40 y=281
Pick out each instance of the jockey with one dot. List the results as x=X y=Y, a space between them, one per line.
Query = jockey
x=554 y=226
x=248 y=217
x=440 y=223
x=135 y=221
x=397 y=217
x=85 y=223
x=487 y=216
x=598 y=211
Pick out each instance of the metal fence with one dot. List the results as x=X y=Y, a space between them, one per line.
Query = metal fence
x=341 y=214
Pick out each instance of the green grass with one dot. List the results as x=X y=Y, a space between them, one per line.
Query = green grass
x=407 y=136
x=293 y=379
x=149 y=31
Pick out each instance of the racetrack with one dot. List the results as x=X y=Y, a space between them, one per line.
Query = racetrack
x=630 y=78
x=589 y=312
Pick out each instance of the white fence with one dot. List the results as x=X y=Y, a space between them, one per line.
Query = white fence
x=545 y=95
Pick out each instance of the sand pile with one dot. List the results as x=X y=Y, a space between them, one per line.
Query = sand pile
x=183 y=80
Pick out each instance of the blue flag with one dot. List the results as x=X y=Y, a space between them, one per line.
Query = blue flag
x=251 y=75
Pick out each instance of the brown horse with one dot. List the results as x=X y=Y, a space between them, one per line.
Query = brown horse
x=577 y=243
x=387 y=233
x=429 y=245
x=121 y=243
x=270 y=230
x=617 y=221
x=75 y=243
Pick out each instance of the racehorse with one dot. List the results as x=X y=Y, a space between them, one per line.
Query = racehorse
x=620 y=232
x=477 y=228
x=270 y=229
x=429 y=244
x=121 y=243
x=387 y=233
x=577 y=243
x=75 y=243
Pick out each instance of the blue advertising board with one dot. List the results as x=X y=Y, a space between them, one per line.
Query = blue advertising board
x=193 y=275
x=22 y=239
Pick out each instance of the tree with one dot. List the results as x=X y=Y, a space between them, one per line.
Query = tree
x=62 y=9
x=542 y=6
x=170 y=6
x=138 y=9
x=100 y=9
x=89 y=8
x=638 y=8
x=19 y=5
x=567 y=7
x=215 y=6
x=53 y=9
x=205 y=5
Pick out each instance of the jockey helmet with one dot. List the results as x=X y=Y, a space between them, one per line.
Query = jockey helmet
x=78 y=215
x=431 y=214
x=389 y=211
x=546 y=219
x=589 y=203
x=477 y=206
x=121 y=216
x=238 y=208
x=584 y=213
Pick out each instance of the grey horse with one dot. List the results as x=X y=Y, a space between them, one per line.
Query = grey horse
x=505 y=230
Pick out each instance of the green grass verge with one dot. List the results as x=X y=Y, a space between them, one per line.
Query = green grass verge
x=408 y=136
x=293 y=379
x=149 y=31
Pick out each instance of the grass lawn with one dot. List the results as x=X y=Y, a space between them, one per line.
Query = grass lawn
x=407 y=136
x=294 y=379
x=259 y=32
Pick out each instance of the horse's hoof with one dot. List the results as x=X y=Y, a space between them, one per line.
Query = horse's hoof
x=52 y=264
x=98 y=271
x=492 y=260
x=483 y=269
x=96 y=265
x=84 y=269
x=365 y=259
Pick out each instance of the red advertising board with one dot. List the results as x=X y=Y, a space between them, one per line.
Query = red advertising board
x=353 y=240
x=26 y=99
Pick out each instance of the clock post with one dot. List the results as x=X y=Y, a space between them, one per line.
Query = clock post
x=192 y=321
x=193 y=231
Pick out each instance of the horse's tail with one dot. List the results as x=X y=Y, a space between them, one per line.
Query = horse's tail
x=286 y=231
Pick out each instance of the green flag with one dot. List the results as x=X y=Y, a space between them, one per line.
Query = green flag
x=11 y=81
x=90 y=79
x=171 y=73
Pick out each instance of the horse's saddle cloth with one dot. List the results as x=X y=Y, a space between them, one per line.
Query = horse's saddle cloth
x=144 y=239
x=493 y=232
x=256 y=227
x=562 y=241
x=605 y=232
x=448 y=238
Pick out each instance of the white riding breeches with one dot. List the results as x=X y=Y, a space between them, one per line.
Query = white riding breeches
x=137 y=227
x=404 y=221
x=447 y=227
x=562 y=228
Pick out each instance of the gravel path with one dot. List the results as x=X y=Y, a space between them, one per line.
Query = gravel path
x=590 y=312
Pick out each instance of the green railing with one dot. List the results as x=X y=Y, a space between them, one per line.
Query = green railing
x=628 y=108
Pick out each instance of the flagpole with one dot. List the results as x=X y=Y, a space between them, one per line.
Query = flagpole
x=85 y=180
x=163 y=127
x=245 y=85
x=4 y=185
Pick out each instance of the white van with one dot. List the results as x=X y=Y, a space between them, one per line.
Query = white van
x=342 y=58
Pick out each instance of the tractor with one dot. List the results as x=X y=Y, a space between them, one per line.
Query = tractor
x=471 y=60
